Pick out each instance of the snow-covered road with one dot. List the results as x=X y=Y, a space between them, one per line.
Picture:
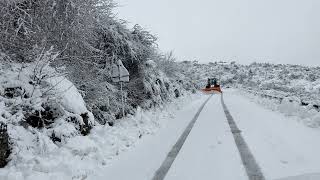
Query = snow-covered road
x=282 y=147
x=210 y=151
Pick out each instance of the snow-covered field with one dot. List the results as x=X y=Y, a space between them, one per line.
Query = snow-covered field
x=278 y=79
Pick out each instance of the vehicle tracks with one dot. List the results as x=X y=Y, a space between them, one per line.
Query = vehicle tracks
x=164 y=168
x=252 y=168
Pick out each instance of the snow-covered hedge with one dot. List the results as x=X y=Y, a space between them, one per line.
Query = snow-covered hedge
x=57 y=150
x=39 y=104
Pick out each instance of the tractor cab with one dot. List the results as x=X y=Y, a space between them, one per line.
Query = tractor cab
x=212 y=82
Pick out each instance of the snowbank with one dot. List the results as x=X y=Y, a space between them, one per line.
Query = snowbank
x=71 y=99
x=290 y=106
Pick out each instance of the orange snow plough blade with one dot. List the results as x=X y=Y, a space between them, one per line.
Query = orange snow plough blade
x=211 y=90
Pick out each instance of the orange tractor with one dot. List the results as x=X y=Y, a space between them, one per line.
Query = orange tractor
x=212 y=87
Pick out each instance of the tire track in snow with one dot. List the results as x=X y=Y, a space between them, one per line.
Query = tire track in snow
x=165 y=166
x=252 y=168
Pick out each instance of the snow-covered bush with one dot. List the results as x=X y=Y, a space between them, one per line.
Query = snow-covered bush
x=90 y=39
x=34 y=97
x=167 y=63
x=67 y=25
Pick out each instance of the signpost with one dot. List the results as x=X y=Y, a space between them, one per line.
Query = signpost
x=120 y=74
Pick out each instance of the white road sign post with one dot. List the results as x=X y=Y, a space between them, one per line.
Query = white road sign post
x=120 y=74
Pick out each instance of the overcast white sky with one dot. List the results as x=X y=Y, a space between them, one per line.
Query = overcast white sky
x=279 y=31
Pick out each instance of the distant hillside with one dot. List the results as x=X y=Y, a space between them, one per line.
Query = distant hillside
x=278 y=79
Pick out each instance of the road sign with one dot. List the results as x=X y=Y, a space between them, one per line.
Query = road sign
x=120 y=74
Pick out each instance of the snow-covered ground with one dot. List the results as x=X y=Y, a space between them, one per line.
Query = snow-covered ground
x=279 y=79
x=135 y=147
x=91 y=156
x=210 y=151
x=283 y=147
x=149 y=153
x=289 y=106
